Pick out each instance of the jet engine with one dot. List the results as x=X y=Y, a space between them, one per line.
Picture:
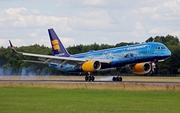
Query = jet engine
x=141 y=68
x=91 y=66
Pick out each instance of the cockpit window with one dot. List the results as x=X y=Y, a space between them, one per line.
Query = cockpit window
x=163 y=47
x=157 y=48
x=160 y=47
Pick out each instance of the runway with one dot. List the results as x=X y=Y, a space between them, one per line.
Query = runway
x=94 y=82
x=133 y=80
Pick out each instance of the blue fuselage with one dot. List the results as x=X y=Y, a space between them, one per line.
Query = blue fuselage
x=121 y=56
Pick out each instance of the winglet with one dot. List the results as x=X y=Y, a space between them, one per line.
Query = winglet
x=13 y=49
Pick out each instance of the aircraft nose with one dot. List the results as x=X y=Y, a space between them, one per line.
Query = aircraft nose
x=165 y=53
x=168 y=53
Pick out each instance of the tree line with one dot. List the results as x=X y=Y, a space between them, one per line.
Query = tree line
x=12 y=64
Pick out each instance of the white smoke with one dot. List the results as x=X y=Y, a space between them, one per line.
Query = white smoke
x=1 y=71
x=27 y=71
x=108 y=78
x=7 y=71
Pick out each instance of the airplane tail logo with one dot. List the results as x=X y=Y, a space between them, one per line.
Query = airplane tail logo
x=57 y=46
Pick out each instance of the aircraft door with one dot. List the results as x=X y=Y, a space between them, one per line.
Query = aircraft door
x=148 y=49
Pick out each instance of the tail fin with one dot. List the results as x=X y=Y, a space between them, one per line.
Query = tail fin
x=57 y=46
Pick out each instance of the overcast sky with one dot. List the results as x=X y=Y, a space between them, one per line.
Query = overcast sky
x=25 y=22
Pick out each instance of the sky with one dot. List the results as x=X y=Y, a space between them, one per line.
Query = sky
x=25 y=22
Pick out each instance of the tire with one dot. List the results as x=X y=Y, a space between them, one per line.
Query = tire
x=92 y=78
x=117 y=79
x=89 y=78
x=120 y=78
x=86 y=78
x=114 y=78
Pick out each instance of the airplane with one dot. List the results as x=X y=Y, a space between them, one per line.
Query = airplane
x=140 y=58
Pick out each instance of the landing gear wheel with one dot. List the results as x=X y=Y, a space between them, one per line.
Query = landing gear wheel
x=86 y=78
x=92 y=78
x=89 y=78
x=120 y=78
x=117 y=78
x=114 y=78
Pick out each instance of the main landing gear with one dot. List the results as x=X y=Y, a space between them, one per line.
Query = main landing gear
x=89 y=77
x=118 y=78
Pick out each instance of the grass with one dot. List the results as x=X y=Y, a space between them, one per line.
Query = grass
x=99 y=86
x=82 y=100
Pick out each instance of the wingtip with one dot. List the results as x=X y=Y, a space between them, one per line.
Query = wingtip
x=10 y=43
x=13 y=49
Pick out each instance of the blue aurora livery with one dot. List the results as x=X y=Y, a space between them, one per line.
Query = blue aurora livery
x=141 y=58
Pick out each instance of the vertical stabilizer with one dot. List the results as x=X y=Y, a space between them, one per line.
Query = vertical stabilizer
x=57 y=46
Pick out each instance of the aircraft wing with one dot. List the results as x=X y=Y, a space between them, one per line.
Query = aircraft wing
x=53 y=58
x=47 y=59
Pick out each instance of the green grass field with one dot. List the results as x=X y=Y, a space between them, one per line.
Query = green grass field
x=51 y=100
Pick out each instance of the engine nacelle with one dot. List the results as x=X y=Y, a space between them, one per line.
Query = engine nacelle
x=91 y=66
x=141 y=68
